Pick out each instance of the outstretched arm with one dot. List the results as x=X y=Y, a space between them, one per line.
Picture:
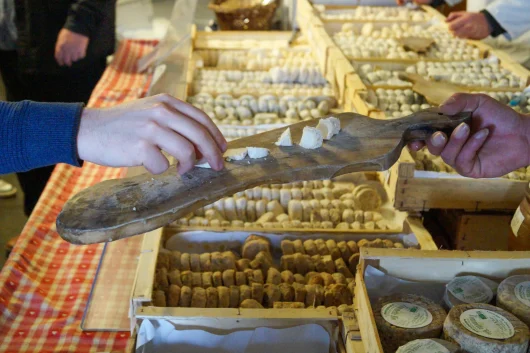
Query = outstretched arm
x=496 y=143
x=37 y=134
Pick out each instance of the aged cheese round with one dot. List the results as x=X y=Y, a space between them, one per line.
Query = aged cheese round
x=469 y=290
x=513 y=295
x=484 y=328
x=429 y=345
x=401 y=318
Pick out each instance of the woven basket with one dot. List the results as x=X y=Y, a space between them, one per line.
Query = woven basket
x=238 y=15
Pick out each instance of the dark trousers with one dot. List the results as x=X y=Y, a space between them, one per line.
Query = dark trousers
x=70 y=86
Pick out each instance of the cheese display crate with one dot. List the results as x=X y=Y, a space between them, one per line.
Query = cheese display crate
x=345 y=13
x=195 y=242
x=429 y=267
x=413 y=190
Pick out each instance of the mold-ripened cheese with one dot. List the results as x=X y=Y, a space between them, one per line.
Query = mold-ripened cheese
x=429 y=345
x=257 y=152
x=401 y=318
x=235 y=154
x=468 y=290
x=513 y=295
x=311 y=138
x=285 y=138
x=484 y=328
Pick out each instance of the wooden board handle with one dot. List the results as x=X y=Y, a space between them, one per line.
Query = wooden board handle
x=421 y=125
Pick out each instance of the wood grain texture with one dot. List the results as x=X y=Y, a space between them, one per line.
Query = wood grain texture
x=120 y=208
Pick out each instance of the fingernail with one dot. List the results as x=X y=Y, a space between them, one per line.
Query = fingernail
x=438 y=139
x=462 y=131
x=482 y=134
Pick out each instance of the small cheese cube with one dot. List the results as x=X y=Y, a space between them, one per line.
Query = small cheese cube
x=326 y=128
x=335 y=123
x=311 y=138
x=285 y=138
x=257 y=152
x=235 y=154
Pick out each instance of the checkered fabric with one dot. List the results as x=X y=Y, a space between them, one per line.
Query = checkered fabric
x=45 y=283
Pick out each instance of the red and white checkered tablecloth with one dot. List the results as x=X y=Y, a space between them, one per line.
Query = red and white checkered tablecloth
x=45 y=283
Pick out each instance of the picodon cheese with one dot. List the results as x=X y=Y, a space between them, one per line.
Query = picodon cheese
x=484 y=328
x=468 y=290
x=401 y=318
x=513 y=295
x=429 y=345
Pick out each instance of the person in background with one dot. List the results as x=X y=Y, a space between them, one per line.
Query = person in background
x=504 y=24
x=53 y=51
x=34 y=135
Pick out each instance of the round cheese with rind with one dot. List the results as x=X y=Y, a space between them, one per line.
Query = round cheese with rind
x=401 y=318
x=429 y=345
x=484 y=328
x=513 y=295
x=468 y=290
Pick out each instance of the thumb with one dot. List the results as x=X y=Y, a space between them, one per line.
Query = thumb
x=460 y=102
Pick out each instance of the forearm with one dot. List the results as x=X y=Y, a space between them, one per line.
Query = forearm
x=511 y=15
x=34 y=135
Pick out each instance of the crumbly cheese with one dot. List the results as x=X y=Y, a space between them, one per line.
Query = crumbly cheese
x=311 y=138
x=336 y=124
x=326 y=128
x=257 y=152
x=285 y=138
x=235 y=154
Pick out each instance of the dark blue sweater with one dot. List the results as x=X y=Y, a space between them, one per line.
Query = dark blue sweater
x=38 y=134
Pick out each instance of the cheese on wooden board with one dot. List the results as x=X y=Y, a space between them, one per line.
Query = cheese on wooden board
x=311 y=138
x=257 y=152
x=429 y=345
x=401 y=318
x=335 y=123
x=235 y=154
x=326 y=128
x=285 y=138
x=514 y=296
x=484 y=328
x=468 y=290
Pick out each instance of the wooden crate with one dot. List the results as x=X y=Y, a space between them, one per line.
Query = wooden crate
x=344 y=330
x=475 y=231
x=428 y=266
x=411 y=190
x=152 y=241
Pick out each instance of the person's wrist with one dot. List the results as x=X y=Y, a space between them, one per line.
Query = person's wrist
x=84 y=143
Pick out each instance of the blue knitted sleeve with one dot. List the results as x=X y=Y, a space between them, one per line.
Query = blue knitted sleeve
x=35 y=135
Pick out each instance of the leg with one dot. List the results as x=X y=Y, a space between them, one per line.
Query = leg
x=33 y=183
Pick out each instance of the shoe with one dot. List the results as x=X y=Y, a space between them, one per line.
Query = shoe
x=6 y=189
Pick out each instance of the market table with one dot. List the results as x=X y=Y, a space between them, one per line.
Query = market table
x=46 y=282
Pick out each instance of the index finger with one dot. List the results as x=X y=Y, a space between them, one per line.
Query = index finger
x=197 y=115
x=454 y=15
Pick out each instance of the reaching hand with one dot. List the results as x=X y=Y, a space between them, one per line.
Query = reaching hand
x=496 y=144
x=468 y=25
x=135 y=133
x=70 y=47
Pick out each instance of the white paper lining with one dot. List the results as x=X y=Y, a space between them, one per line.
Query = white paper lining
x=160 y=336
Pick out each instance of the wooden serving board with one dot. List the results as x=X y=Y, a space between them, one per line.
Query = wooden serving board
x=120 y=208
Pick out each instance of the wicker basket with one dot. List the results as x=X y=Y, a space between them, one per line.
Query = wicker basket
x=254 y=15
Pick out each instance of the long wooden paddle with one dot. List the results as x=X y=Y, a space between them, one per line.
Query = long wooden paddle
x=120 y=208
